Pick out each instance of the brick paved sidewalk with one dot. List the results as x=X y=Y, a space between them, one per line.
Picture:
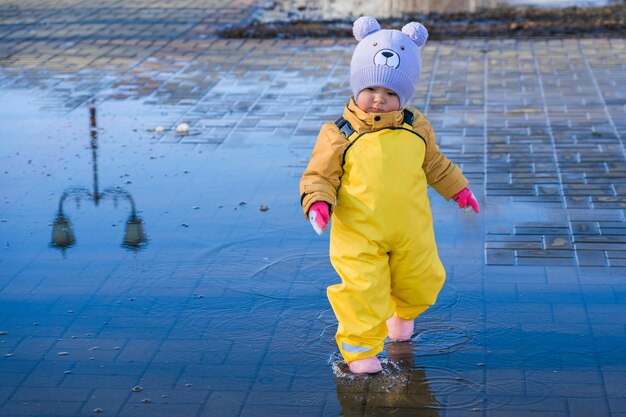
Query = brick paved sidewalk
x=530 y=322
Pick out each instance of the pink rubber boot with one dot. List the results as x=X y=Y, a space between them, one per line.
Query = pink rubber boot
x=399 y=330
x=370 y=365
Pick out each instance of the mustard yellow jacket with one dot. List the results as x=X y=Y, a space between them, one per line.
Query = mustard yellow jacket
x=322 y=177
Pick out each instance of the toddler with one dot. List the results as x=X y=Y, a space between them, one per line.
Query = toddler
x=371 y=169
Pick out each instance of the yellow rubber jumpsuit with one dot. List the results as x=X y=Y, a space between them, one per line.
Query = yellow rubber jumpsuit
x=382 y=241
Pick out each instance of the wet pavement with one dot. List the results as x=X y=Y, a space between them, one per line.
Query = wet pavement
x=144 y=272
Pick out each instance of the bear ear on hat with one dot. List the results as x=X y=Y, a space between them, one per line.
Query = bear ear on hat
x=363 y=26
x=417 y=32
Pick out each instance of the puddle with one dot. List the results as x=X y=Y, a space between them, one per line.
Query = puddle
x=403 y=386
x=182 y=264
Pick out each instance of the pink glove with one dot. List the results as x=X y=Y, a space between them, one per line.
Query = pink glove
x=465 y=198
x=319 y=216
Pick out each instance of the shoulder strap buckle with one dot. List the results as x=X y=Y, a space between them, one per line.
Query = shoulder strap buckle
x=344 y=127
x=408 y=117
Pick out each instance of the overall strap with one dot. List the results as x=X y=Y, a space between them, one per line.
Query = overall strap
x=408 y=118
x=344 y=127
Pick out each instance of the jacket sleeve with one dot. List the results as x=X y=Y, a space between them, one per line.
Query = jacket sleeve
x=322 y=176
x=442 y=174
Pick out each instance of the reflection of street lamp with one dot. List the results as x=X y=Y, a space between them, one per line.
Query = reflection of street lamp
x=62 y=233
x=134 y=235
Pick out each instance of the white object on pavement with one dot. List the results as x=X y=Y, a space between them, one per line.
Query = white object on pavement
x=182 y=128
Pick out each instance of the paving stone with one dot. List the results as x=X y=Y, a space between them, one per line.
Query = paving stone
x=602 y=239
x=617 y=262
x=557 y=242
x=522 y=253
x=585 y=228
x=42 y=408
x=513 y=245
x=591 y=258
x=521 y=230
x=500 y=257
x=553 y=261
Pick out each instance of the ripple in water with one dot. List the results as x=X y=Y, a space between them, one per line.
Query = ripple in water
x=401 y=383
x=438 y=338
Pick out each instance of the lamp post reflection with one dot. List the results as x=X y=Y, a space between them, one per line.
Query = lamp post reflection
x=63 y=235
x=134 y=234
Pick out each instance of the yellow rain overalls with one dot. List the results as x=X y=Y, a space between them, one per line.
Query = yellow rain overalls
x=382 y=241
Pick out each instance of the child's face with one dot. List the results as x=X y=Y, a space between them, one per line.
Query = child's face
x=378 y=100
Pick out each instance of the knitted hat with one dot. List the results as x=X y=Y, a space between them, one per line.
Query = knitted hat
x=386 y=58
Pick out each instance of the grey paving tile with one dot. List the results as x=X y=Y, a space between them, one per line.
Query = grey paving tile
x=145 y=407
x=11 y=379
x=226 y=403
x=106 y=400
x=42 y=408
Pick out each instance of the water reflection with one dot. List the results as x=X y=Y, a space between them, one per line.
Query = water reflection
x=63 y=236
x=401 y=389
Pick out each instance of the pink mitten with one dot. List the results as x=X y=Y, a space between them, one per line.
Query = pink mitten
x=465 y=198
x=319 y=216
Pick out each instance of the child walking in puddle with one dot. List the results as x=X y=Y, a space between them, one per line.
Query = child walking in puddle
x=370 y=171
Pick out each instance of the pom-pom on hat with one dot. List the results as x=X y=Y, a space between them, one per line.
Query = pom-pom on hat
x=386 y=58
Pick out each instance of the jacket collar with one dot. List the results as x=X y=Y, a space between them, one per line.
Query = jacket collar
x=363 y=122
